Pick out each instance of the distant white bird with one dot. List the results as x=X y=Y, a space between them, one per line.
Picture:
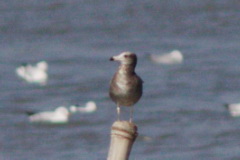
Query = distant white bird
x=34 y=74
x=234 y=109
x=59 y=115
x=174 y=57
x=88 y=108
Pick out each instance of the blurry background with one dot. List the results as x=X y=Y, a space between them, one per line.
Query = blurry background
x=181 y=114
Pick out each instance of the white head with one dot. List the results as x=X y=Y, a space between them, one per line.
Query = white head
x=177 y=54
x=91 y=106
x=62 y=110
x=234 y=109
x=42 y=65
x=73 y=109
x=125 y=58
x=21 y=71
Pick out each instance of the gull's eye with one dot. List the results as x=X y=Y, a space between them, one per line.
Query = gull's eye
x=126 y=56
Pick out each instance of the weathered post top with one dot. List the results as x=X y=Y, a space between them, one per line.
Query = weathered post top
x=123 y=135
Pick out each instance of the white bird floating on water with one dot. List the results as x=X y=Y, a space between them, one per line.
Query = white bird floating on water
x=234 y=109
x=59 y=115
x=34 y=74
x=174 y=57
x=88 y=108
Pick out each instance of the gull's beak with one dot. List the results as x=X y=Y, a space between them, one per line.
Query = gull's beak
x=116 y=58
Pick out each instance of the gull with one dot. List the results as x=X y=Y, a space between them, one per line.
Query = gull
x=234 y=109
x=174 y=57
x=33 y=74
x=59 y=115
x=88 y=108
x=125 y=86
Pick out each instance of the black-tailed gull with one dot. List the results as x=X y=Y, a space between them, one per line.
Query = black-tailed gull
x=126 y=85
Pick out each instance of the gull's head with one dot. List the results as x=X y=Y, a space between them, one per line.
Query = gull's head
x=73 y=108
x=42 y=65
x=125 y=58
x=234 y=109
x=91 y=106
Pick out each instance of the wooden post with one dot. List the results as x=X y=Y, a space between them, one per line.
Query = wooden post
x=123 y=135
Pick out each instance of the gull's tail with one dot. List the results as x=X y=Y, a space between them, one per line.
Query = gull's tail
x=29 y=113
x=226 y=105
